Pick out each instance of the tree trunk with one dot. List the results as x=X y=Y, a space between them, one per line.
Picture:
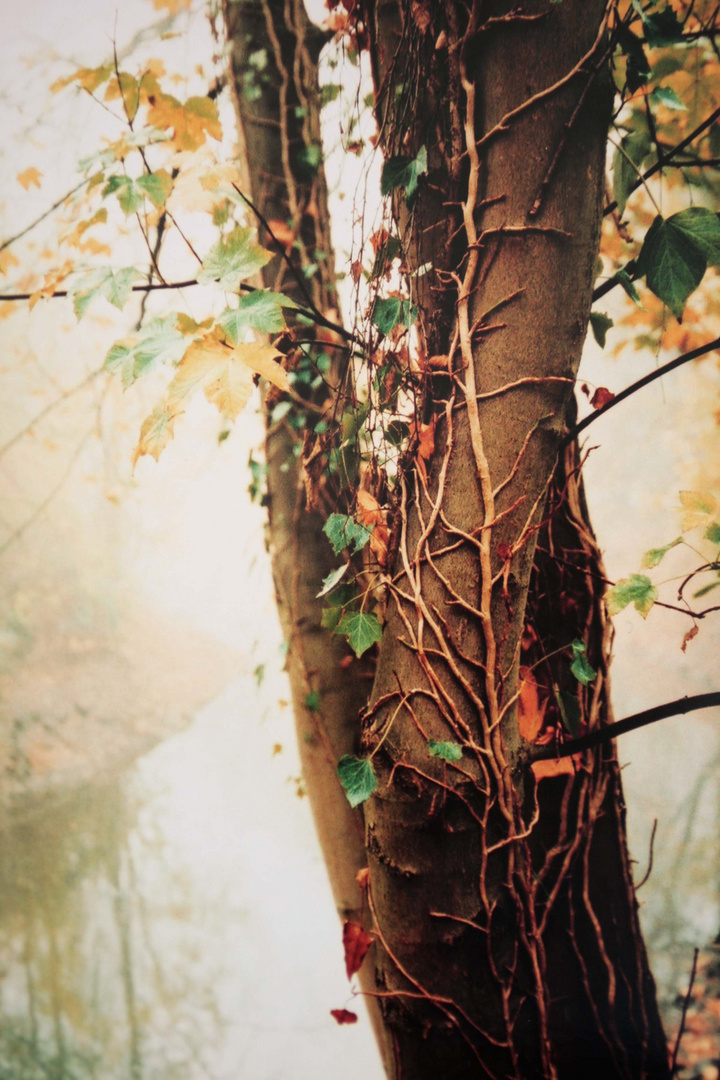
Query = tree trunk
x=275 y=51
x=508 y=941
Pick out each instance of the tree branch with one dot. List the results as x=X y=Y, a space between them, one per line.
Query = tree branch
x=665 y=159
x=47 y=213
x=639 y=384
x=621 y=727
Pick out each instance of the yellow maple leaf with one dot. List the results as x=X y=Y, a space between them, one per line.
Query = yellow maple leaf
x=190 y=122
x=699 y=509
x=7 y=260
x=30 y=177
x=224 y=373
x=156 y=432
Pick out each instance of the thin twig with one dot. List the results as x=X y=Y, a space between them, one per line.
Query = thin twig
x=47 y=213
x=686 y=1003
x=651 y=854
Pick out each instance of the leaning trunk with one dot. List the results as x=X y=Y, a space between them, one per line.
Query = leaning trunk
x=274 y=58
x=508 y=941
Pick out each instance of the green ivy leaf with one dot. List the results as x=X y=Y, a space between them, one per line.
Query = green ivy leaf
x=448 y=751
x=362 y=629
x=654 y=556
x=157 y=342
x=357 y=776
x=636 y=146
x=390 y=312
x=403 y=172
x=260 y=310
x=233 y=259
x=636 y=589
x=342 y=531
x=580 y=667
x=675 y=254
x=115 y=286
x=712 y=533
x=332 y=580
x=665 y=95
x=600 y=324
x=661 y=28
x=637 y=69
x=624 y=279
x=570 y=712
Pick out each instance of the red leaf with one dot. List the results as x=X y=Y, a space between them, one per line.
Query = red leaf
x=356 y=943
x=693 y=632
x=601 y=397
x=344 y=1016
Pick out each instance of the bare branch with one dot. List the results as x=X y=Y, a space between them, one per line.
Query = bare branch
x=621 y=727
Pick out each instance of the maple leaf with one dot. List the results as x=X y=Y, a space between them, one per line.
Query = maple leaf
x=233 y=259
x=29 y=178
x=156 y=432
x=191 y=122
x=225 y=373
x=356 y=943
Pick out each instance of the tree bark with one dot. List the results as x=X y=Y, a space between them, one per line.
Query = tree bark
x=508 y=941
x=275 y=51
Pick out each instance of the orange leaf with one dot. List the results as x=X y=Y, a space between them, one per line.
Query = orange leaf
x=531 y=712
x=356 y=943
x=282 y=232
x=554 y=767
x=344 y=1016
x=689 y=635
x=29 y=178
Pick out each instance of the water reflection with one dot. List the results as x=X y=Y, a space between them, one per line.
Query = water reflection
x=87 y=987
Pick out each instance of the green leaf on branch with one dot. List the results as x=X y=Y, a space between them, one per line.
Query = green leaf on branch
x=675 y=254
x=357 y=776
x=312 y=701
x=159 y=341
x=600 y=324
x=624 y=279
x=712 y=533
x=343 y=531
x=636 y=589
x=157 y=186
x=580 y=667
x=332 y=580
x=361 y=629
x=448 y=751
x=654 y=556
x=114 y=286
x=665 y=95
x=128 y=195
x=390 y=312
x=637 y=69
x=233 y=259
x=570 y=712
x=627 y=161
x=260 y=310
x=661 y=28
x=403 y=172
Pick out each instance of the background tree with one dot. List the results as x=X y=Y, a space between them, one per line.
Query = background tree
x=496 y=899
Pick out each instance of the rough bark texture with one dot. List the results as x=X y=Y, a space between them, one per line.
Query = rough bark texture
x=274 y=72
x=508 y=936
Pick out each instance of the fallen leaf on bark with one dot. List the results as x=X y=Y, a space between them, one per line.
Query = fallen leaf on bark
x=356 y=943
